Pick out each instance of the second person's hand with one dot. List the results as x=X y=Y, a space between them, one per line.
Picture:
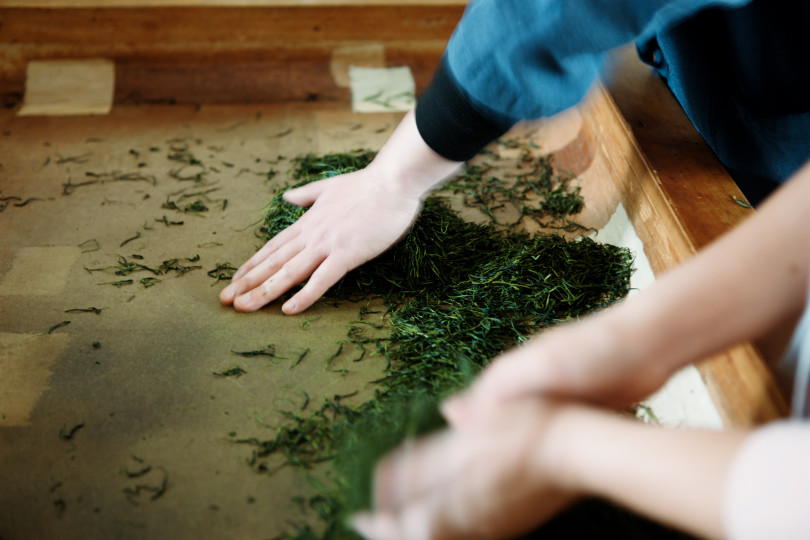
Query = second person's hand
x=497 y=480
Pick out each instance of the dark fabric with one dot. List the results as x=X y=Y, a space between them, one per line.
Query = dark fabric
x=743 y=78
x=534 y=58
x=450 y=124
x=738 y=68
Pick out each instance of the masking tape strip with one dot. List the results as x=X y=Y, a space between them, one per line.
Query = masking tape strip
x=382 y=89
x=68 y=87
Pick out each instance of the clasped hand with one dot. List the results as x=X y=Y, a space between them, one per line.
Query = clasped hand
x=496 y=479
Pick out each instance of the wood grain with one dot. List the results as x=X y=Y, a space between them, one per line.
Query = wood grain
x=680 y=199
x=217 y=54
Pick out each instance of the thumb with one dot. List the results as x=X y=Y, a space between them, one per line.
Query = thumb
x=373 y=526
x=511 y=376
x=307 y=194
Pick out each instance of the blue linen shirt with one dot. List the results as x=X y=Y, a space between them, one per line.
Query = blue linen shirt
x=510 y=60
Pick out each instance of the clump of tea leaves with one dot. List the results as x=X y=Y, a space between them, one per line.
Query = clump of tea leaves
x=458 y=293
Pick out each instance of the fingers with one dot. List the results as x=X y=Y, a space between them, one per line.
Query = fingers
x=281 y=270
x=261 y=266
x=415 y=468
x=512 y=375
x=274 y=277
x=331 y=238
x=375 y=526
x=306 y=194
x=328 y=272
x=464 y=484
x=239 y=284
x=420 y=520
x=421 y=494
x=431 y=499
x=384 y=526
x=285 y=261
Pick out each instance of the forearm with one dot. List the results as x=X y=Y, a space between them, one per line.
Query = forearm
x=735 y=290
x=676 y=477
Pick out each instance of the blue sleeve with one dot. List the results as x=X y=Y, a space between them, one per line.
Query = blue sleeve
x=510 y=60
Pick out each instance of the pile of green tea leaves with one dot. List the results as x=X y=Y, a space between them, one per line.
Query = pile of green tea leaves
x=457 y=294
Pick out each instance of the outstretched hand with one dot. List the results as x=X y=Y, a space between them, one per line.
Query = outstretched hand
x=351 y=219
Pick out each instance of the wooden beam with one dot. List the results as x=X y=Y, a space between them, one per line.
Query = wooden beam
x=679 y=198
x=224 y=54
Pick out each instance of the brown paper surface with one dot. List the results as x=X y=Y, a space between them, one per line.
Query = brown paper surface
x=146 y=393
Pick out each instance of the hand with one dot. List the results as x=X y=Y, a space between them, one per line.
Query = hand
x=591 y=360
x=695 y=310
x=352 y=218
x=495 y=481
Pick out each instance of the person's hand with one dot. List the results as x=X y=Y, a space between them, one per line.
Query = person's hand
x=352 y=218
x=592 y=360
x=497 y=480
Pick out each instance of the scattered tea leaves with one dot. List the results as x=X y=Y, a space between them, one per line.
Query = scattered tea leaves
x=95 y=310
x=67 y=435
x=222 y=271
x=58 y=326
x=741 y=202
x=457 y=294
x=270 y=351
x=149 y=281
x=231 y=372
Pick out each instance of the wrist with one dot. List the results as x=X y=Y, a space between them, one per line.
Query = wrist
x=408 y=164
x=585 y=360
x=603 y=360
x=559 y=456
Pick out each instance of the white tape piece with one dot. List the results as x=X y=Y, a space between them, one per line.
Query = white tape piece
x=382 y=89
x=68 y=87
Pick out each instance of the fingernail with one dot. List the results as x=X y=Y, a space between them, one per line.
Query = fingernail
x=227 y=293
x=242 y=300
x=289 y=307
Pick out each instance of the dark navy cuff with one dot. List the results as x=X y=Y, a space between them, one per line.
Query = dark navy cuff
x=449 y=122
